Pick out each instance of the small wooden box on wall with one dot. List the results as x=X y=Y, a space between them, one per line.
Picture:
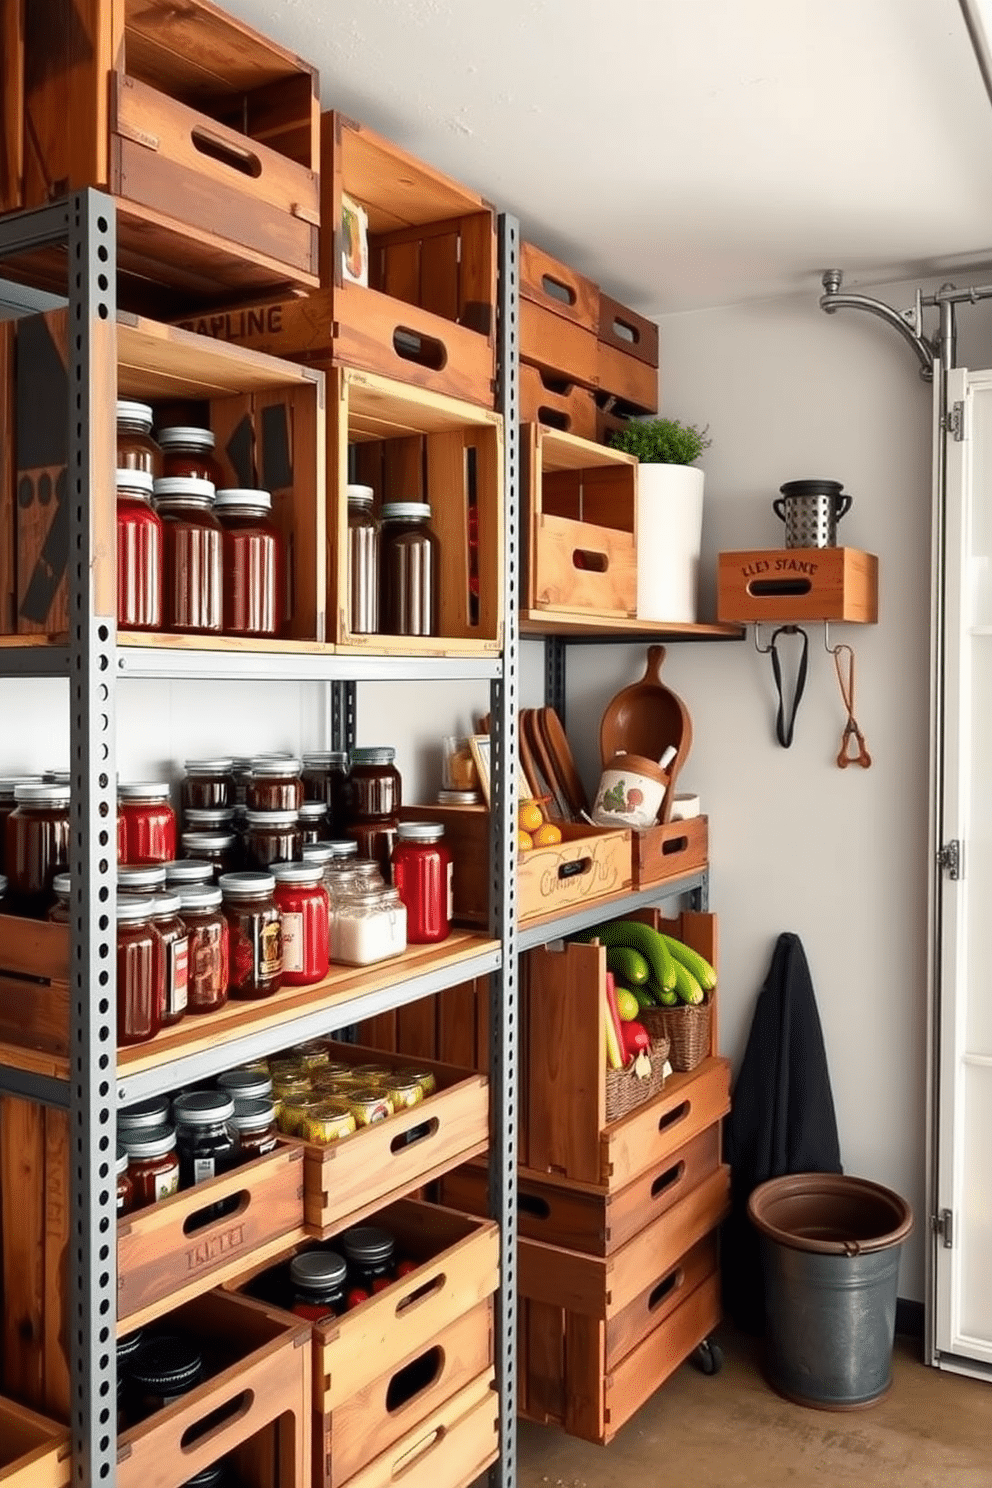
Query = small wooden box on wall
x=782 y=585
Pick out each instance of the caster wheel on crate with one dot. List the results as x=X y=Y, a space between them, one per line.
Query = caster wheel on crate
x=708 y=1357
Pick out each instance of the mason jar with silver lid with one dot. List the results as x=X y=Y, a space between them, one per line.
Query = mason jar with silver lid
x=141 y=878
x=275 y=783
x=186 y=871
x=254 y=1126
x=317 y=1279
x=203 y=1136
x=409 y=570
x=144 y=1115
x=246 y=1084
x=153 y=1166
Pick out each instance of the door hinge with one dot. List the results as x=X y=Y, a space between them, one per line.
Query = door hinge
x=949 y=858
x=942 y=1224
x=954 y=421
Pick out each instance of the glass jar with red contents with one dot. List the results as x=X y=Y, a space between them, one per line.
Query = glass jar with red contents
x=209 y=784
x=136 y=449
x=314 y=822
x=325 y=778
x=189 y=451
x=192 y=598
x=422 y=872
x=153 y=1164
x=255 y=926
x=7 y=804
x=274 y=784
x=149 y=821
x=139 y=553
x=302 y=901
x=272 y=837
x=209 y=946
x=125 y=1183
x=173 y=958
x=219 y=849
x=138 y=998
x=254 y=596
x=254 y=1126
x=37 y=847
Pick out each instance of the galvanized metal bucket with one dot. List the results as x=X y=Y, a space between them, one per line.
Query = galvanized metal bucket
x=830 y=1248
x=811 y=510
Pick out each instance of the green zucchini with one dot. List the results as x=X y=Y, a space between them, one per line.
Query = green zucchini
x=627 y=964
x=686 y=987
x=637 y=937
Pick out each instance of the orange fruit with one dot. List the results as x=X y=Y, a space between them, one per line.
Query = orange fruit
x=529 y=816
x=547 y=835
x=524 y=842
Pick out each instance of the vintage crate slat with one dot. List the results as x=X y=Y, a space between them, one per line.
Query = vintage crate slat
x=22 y=1186
x=266 y=1389
x=622 y=328
x=557 y=287
x=557 y=345
x=624 y=377
x=34 y=1452
x=370 y=1420
x=796 y=584
x=659 y=1298
x=453 y=1445
x=646 y=1367
x=557 y=403
x=58 y=1383
x=667 y=851
x=8 y=461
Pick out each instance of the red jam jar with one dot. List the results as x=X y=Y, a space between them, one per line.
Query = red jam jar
x=192 y=599
x=125 y=1183
x=136 y=449
x=272 y=837
x=302 y=901
x=7 y=804
x=149 y=822
x=256 y=934
x=153 y=1164
x=209 y=784
x=254 y=589
x=422 y=869
x=139 y=553
x=209 y=946
x=189 y=451
x=172 y=942
x=37 y=847
x=275 y=784
x=138 y=1003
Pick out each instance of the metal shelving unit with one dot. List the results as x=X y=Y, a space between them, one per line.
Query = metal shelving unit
x=94 y=664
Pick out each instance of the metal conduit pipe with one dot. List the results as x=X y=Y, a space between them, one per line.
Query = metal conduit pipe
x=832 y=299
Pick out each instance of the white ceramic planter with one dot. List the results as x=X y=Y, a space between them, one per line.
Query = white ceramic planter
x=669 y=534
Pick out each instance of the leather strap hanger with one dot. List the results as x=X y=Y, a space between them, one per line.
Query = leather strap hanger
x=852 y=737
x=785 y=722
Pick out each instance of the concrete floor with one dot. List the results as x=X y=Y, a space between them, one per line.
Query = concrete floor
x=933 y=1430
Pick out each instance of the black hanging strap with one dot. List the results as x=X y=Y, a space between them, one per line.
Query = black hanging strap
x=785 y=729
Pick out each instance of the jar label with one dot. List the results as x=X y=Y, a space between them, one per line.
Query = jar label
x=451 y=893
x=177 y=976
x=166 y=1184
x=270 y=950
x=203 y=1168
x=292 y=942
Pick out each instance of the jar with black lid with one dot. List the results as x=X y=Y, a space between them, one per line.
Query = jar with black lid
x=173 y=953
x=409 y=570
x=209 y=946
x=189 y=451
x=314 y=822
x=256 y=934
x=272 y=837
x=203 y=1136
x=317 y=1279
x=164 y=1369
x=274 y=784
x=136 y=449
x=370 y=1254
x=325 y=778
x=254 y=1127
x=185 y=872
x=139 y=997
x=209 y=783
x=219 y=849
x=127 y=1349
x=37 y=847
x=153 y=1165
x=217 y=1475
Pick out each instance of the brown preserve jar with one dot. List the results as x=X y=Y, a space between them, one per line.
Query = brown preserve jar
x=138 y=1006
x=254 y=587
x=37 y=846
x=272 y=837
x=191 y=568
x=275 y=784
x=136 y=449
x=153 y=1164
x=256 y=934
x=189 y=451
x=209 y=784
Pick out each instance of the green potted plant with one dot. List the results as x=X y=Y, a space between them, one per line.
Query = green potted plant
x=669 y=515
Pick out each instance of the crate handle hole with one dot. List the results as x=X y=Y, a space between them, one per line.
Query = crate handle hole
x=775 y=587
x=666 y=1287
x=554 y=418
x=667 y=1180
x=576 y=869
x=674 y=845
x=416 y=1134
x=624 y=331
x=226 y=153
x=556 y=289
x=232 y=1410
x=215 y=1212
x=676 y=1114
x=560 y=386
x=427 y=1289
x=530 y=1204
x=589 y=561
x=420 y=1449
x=414 y=1378
x=426 y=351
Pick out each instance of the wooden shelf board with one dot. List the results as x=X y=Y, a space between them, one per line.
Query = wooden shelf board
x=161 y=361
x=381 y=408
x=561 y=451
x=557 y=622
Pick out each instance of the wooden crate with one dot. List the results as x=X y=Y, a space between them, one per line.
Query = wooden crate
x=205 y=132
x=579 y=526
x=559 y=313
x=34 y=1452
x=347 y=1181
x=626 y=360
x=667 y=851
x=270 y=423
x=452 y=1446
x=256 y=1405
x=779 y=585
x=412 y=444
x=589 y=864
x=594 y=1220
x=558 y=288
x=452 y=1026
x=428 y=314
x=626 y=331
x=557 y=403
x=565 y=1131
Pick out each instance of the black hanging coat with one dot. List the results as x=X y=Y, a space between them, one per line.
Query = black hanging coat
x=781 y=1119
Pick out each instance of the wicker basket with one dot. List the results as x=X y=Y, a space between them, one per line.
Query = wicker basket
x=687 y=1028
x=625 y=1091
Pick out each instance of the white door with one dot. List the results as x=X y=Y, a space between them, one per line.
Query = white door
x=962 y=1057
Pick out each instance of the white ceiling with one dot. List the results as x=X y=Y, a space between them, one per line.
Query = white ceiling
x=683 y=153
